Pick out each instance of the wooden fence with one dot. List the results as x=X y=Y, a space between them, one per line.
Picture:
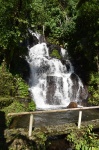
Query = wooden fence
x=52 y=111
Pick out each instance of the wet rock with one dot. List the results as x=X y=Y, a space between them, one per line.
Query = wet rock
x=53 y=47
x=54 y=82
x=77 y=86
x=69 y=149
x=72 y=105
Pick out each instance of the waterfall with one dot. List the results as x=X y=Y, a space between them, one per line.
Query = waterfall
x=53 y=83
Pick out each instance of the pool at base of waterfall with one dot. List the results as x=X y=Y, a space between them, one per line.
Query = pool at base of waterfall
x=57 y=118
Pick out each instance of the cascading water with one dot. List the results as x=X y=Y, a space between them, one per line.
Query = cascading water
x=53 y=84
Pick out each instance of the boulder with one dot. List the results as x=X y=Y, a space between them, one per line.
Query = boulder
x=72 y=105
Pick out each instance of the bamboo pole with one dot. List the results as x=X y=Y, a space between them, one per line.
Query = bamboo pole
x=30 y=124
x=79 y=119
x=51 y=111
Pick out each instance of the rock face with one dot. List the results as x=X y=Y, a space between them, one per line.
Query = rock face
x=72 y=105
x=51 y=88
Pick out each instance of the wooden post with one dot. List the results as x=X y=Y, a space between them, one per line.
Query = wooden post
x=79 y=119
x=30 y=124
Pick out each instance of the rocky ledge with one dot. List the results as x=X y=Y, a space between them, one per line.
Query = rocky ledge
x=18 y=139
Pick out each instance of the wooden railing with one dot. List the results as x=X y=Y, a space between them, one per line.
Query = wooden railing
x=51 y=111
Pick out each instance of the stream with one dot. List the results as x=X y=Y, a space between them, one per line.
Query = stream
x=54 y=118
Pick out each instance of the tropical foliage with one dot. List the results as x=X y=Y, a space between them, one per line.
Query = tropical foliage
x=70 y=23
x=84 y=140
x=73 y=24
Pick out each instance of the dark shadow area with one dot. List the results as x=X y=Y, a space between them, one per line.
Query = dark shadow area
x=21 y=142
x=58 y=142
x=20 y=66
x=3 y=145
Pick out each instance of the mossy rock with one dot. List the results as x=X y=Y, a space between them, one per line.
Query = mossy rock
x=5 y=101
x=55 y=54
x=16 y=107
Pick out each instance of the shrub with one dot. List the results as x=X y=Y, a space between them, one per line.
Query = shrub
x=84 y=140
x=17 y=107
x=12 y=85
x=21 y=87
x=31 y=106
x=5 y=101
x=7 y=83
x=94 y=89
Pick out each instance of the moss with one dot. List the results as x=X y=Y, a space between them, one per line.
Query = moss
x=55 y=54
x=18 y=139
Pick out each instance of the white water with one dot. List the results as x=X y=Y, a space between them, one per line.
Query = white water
x=51 y=85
